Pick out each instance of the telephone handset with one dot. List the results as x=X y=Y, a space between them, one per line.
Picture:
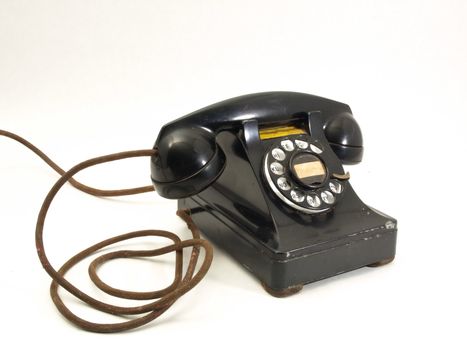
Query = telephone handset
x=262 y=176
x=189 y=157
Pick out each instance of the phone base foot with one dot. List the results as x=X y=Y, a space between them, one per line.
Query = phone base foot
x=282 y=293
x=381 y=262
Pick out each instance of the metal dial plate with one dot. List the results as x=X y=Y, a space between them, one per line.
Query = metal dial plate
x=290 y=189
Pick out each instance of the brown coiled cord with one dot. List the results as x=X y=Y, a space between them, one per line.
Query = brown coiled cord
x=161 y=299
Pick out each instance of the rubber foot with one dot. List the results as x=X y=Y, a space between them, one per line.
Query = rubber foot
x=381 y=263
x=282 y=293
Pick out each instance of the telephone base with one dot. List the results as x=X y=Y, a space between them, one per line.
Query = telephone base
x=282 y=273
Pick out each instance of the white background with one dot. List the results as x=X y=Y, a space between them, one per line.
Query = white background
x=86 y=78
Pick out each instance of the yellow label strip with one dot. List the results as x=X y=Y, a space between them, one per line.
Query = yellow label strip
x=279 y=131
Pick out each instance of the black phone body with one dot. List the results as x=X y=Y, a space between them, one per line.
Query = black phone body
x=262 y=176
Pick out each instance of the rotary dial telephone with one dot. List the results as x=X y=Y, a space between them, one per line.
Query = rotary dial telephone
x=263 y=179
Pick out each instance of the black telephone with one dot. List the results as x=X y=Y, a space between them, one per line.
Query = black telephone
x=261 y=176
x=263 y=179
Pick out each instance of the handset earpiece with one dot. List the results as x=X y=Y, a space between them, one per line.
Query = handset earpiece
x=345 y=137
x=188 y=160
